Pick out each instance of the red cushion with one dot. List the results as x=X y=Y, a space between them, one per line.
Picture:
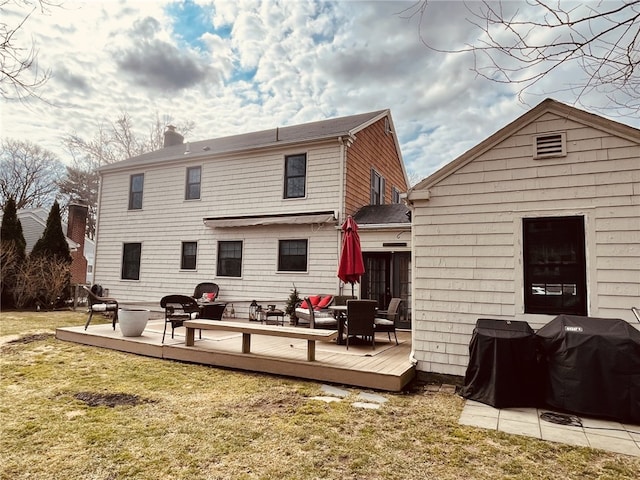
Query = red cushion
x=304 y=305
x=211 y=296
x=326 y=300
x=315 y=300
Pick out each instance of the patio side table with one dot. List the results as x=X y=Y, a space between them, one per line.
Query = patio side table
x=278 y=314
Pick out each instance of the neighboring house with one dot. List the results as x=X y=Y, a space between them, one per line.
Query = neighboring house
x=255 y=213
x=34 y=221
x=541 y=218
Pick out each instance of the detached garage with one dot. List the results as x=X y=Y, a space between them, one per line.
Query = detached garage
x=540 y=219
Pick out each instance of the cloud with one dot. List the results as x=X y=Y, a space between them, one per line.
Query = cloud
x=158 y=64
x=245 y=65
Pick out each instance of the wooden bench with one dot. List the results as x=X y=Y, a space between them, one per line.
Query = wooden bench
x=310 y=335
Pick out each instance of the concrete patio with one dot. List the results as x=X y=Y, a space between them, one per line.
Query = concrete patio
x=603 y=434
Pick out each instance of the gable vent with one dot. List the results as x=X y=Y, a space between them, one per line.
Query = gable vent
x=550 y=145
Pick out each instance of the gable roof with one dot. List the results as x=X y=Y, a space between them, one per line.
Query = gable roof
x=279 y=136
x=547 y=106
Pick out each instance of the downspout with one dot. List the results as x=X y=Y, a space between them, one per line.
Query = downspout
x=343 y=161
x=95 y=237
x=412 y=195
x=412 y=354
x=341 y=206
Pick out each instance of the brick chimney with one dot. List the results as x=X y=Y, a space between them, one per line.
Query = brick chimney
x=171 y=137
x=76 y=232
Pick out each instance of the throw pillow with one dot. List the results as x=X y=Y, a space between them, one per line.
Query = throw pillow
x=325 y=302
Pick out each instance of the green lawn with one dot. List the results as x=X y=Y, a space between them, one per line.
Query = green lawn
x=187 y=421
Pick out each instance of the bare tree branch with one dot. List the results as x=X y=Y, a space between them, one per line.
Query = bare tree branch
x=525 y=45
x=20 y=76
x=28 y=174
x=113 y=142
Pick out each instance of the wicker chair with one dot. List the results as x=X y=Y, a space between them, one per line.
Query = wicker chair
x=206 y=287
x=98 y=303
x=386 y=319
x=177 y=309
x=360 y=320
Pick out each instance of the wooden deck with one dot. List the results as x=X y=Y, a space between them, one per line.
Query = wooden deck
x=386 y=368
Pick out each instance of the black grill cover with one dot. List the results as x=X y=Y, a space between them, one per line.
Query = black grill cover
x=502 y=370
x=591 y=366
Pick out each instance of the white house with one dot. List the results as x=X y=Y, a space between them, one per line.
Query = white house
x=255 y=213
x=541 y=218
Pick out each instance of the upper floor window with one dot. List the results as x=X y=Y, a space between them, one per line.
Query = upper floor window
x=189 y=254
x=131 y=253
x=136 y=186
x=292 y=256
x=395 y=194
x=295 y=173
x=377 y=188
x=192 y=190
x=229 y=259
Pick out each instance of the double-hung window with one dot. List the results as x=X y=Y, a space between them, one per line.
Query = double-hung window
x=189 y=255
x=192 y=189
x=136 y=187
x=292 y=255
x=131 y=253
x=229 y=259
x=377 y=188
x=395 y=195
x=295 y=175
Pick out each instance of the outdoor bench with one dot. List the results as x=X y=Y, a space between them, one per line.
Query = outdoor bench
x=311 y=336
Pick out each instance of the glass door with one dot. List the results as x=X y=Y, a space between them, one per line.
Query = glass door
x=388 y=275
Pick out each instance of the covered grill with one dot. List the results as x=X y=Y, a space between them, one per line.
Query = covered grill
x=591 y=366
x=502 y=370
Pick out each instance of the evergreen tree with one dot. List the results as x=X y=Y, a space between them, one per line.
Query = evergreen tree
x=12 y=251
x=53 y=243
x=11 y=229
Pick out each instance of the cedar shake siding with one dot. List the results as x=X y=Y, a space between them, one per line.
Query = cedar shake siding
x=468 y=223
x=374 y=147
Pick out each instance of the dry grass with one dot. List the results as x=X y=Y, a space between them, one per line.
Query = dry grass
x=183 y=421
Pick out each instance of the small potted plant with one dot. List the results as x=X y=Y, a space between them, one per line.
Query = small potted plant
x=292 y=303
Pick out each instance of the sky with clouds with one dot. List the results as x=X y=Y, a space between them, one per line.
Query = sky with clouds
x=236 y=66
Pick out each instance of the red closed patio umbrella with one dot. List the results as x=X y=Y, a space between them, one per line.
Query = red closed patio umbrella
x=351 y=266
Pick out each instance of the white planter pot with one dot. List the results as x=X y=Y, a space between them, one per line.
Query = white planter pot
x=132 y=321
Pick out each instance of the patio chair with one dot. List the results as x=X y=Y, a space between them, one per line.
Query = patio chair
x=323 y=321
x=342 y=299
x=386 y=319
x=98 y=303
x=177 y=309
x=361 y=316
x=206 y=287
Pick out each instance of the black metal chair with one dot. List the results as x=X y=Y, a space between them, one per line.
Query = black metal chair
x=206 y=287
x=177 y=309
x=386 y=319
x=98 y=303
x=361 y=316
